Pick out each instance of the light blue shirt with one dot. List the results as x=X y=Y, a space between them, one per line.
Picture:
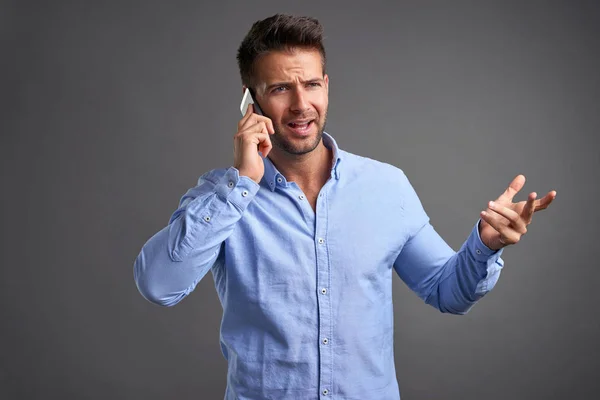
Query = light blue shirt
x=307 y=296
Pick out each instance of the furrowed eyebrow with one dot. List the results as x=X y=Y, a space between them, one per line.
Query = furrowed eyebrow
x=274 y=85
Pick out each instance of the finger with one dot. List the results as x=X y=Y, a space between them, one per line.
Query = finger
x=513 y=218
x=496 y=219
x=259 y=127
x=513 y=188
x=270 y=126
x=262 y=127
x=507 y=235
x=265 y=145
x=243 y=140
x=545 y=201
x=256 y=135
x=529 y=208
x=255 y=119
x=248 y=122
x=262 y=141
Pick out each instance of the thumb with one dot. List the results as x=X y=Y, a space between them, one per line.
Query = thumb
x=513 y=188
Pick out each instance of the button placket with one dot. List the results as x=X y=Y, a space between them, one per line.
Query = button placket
x=324 y=302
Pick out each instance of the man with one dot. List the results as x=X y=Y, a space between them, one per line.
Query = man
x=302 y=237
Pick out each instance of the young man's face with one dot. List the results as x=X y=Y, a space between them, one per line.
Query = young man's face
x=293 y=92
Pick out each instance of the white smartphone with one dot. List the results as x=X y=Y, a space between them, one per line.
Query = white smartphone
x=247 y=100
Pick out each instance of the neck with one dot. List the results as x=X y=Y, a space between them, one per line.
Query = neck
x=309 y=171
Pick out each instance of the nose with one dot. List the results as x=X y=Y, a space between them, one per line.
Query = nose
x=300 y=102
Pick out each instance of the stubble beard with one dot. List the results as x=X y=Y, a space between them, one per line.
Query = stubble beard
x=283 y=143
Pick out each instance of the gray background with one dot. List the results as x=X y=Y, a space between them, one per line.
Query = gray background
x=110 y=111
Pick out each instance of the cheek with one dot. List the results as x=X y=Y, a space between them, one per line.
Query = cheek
x=322 y=108
x=276 y=112
x=323 y=100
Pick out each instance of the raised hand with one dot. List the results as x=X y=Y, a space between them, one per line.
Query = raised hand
x=504 y=223
x=252 y=136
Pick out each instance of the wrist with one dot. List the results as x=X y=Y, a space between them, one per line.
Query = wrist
x=242 y=172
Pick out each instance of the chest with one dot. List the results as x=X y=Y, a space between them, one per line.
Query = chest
x=288 y=245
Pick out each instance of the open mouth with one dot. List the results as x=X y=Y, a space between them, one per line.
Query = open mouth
x=300 y=127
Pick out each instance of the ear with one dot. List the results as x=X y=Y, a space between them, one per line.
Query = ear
x=326 y=80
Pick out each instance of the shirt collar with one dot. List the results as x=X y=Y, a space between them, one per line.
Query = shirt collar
x=273 y=177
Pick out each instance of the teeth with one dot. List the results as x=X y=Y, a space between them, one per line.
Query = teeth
x=294 y=125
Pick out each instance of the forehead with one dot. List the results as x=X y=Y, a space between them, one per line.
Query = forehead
x=287 y=65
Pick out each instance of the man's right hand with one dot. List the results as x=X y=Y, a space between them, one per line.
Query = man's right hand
x=252 y=136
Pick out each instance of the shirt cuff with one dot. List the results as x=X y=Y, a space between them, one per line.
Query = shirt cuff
x=239 y=190
x=477 y=248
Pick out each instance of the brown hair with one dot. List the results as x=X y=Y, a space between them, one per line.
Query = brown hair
x=280 y=32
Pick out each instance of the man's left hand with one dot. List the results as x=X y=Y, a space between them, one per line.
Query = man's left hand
x=504 y=223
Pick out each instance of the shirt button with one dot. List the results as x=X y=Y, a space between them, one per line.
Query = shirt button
x=245 y=193
x=279 y=180
x=325 y=341
x=325 y=391
x=323 y=291
x=230 y=184
x=301 y=197
x=478 y=251
x=207 y=218
x=321 y=241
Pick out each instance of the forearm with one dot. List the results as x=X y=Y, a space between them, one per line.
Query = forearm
x=466 y=277
x=164 y=279
x=447 y=280
x=176 y=258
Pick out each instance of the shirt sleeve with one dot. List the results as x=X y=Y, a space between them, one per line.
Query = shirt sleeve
x=450 y=281
x=172 y=262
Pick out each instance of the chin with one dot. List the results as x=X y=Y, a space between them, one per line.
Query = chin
x=297 y=145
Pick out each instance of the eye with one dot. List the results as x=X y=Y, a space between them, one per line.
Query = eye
x=314 y=84
x=278 y=89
